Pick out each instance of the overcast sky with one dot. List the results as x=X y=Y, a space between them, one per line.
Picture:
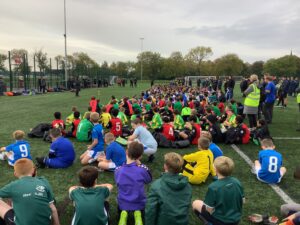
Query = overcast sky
x=110 y=29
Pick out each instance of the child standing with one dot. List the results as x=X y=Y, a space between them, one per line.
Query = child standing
x=170 y=195
x=131 y=179
x=199 y=164
x=90 y=198
x=115 y=154
x=96 y=148
x=269 y=166
x=19 y=149
x=224 y=199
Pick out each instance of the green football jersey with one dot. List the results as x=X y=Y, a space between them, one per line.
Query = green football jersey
x=89 y=205
x=84 y=130
x=31 y=197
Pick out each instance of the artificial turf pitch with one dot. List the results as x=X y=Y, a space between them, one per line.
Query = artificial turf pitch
x=24 y=112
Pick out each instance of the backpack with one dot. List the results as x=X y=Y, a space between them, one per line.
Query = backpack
x=234 y=135
x=39 y=130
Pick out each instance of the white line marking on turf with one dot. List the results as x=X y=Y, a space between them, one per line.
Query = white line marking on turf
x=286 y=138
x=277 y=189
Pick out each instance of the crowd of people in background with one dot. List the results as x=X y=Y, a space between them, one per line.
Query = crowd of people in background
x=167 y=116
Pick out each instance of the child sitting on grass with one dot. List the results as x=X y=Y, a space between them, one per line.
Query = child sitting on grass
x=90 y=198
x=75 y=124
x=217 y=152
x=169 y=196
x=61 y=153
x=19 y=149
x=96 y=148
x=131 y=179
x=105 y=117
x=32 y=198
x=268 y=167
x=115 y=154
x=224 y=199
x=84 y=129
x=199 y=165
x=115 y=123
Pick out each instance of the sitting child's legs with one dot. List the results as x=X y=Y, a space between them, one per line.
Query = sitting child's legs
x=56 y=163
x=6 y=214
x=257 y=166
x=89 y=156
x=288 y=209
x=107 y=165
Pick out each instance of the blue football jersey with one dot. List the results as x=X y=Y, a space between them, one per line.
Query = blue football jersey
x=97 y=133
x=20 y=149
x=271 y=162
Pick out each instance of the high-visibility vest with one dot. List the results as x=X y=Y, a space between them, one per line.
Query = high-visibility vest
x=253 y=98
x=298 y=98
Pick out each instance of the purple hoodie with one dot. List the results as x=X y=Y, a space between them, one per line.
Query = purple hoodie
x=131 y=179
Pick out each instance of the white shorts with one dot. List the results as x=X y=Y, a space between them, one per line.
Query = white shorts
x=111 y=165
x=258 y=168
x=94 y=155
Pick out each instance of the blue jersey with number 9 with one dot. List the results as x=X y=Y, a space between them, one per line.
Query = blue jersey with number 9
x=271 y=162
x=20 y=149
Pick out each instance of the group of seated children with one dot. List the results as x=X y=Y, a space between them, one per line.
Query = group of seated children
x=167 y=202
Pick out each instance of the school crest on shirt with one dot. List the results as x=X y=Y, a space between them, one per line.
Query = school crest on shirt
x=40 y=188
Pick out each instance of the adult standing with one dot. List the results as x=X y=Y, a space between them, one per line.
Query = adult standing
x=252 y=101
x=77 y=87
x=43 y=85
x=270 y=97
x=230 y=88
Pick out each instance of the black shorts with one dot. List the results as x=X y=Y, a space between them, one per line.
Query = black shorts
x=209 y=218
x=9 y=217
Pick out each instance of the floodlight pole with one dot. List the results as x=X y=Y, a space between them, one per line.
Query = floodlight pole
x=142 y=39
x=65 y=35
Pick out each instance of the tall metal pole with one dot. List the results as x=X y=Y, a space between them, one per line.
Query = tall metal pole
x=142 y=39
x=65 y=35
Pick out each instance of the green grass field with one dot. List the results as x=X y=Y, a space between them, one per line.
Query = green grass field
x=24 y=112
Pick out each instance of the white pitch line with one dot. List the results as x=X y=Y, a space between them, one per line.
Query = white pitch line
x=275 y=187
x=286 y=138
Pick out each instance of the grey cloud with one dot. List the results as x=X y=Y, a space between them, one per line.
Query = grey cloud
x=260 y=31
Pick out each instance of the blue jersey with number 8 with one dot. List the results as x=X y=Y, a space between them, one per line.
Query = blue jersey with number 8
x=20 y=149
x=271 y=162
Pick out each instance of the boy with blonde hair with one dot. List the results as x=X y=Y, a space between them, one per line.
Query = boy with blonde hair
x=269 y=168
x=224 y=199
x=170 y=195
x=115 y=154
x=96 y=148
x=105 y=117
x=28 y=191
x=212 y=146
x=19 y=149
x=199 y=165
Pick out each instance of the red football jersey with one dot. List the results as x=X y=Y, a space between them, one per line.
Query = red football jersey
x=161 y=103
x=221 y=106
x=191 y=104
x=168 y=131
x=246 y=136
x=75 y=125
x=116 y=126
x=93 y=104
x=198 y=132
x=58 y=124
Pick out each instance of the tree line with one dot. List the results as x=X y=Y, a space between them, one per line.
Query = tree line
x=197 y=62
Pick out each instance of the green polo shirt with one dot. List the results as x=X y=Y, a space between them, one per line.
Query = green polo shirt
x=178 y=106
x=84 y=130
x=226 y=197
x=31 y=197
x=89 y=205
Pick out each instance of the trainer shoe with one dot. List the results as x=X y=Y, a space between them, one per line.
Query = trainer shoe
x=2 y=156
x=151 y=158
x=123 y=218
x=138 y=217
